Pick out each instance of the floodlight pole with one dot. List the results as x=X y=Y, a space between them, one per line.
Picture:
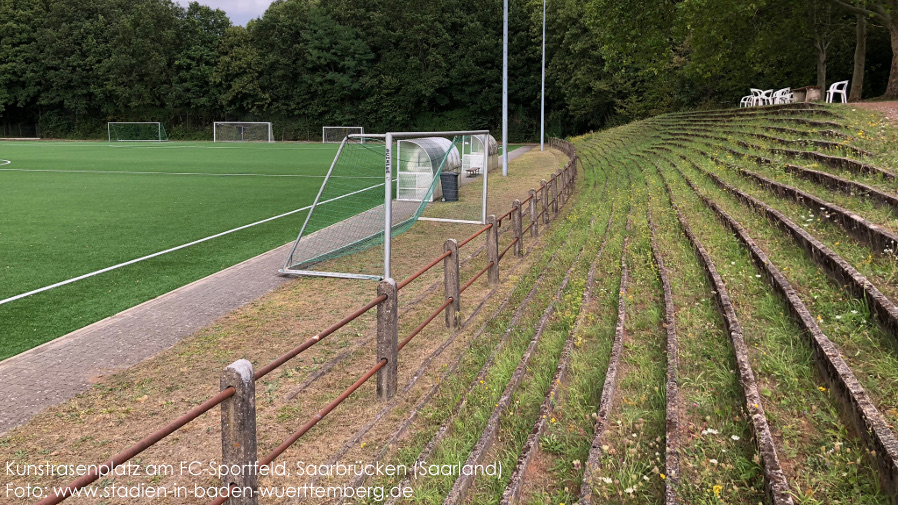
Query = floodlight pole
x=505 y=90
x=542 y=105
x=486 y=172
x=388 y=203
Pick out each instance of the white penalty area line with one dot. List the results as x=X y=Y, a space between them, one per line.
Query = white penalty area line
x=126 y=172
x=176 y=248
x=243 y=147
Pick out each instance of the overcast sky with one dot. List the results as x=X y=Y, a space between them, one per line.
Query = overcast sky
x=240 y=11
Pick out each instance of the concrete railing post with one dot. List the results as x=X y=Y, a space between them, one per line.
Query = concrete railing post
x=492 y=250
x=517 y=228
x=545 y=188
x=451 y=283
x=554 y=184
x=387 y=339
x=238 y=431
x=534 y=217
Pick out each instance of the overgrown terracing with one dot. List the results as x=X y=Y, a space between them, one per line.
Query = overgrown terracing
x=725 y=332
x=762 y=256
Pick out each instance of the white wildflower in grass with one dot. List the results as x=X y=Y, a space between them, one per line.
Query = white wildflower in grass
x=645 y=478
x=758 y=276
x=854 y=312
x=838 y=317
x=629 y=490
x=606 y=480
x=710 y=431
x=735 y=437
x=713 y=461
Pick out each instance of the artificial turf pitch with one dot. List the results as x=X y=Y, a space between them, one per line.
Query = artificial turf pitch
x=70 y=208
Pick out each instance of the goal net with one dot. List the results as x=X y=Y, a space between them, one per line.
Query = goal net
x=336 y=134
x=349 y=214
x=242 y=131
x=148 y=131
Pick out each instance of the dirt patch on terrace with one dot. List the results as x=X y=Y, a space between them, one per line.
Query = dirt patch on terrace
x=889 y=109
x=124 y=407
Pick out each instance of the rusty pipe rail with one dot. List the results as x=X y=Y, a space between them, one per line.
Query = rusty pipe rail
x=321 y=414
x=139 y=447
x=513 y=242
x=425 y=269
x=472 y=237
x=474 y=279
x=317 y=338
x=424 y=324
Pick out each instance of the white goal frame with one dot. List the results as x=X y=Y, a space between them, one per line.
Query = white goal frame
x=159 y=130
x=361 y=131
x=389 y=173
x=216 y=123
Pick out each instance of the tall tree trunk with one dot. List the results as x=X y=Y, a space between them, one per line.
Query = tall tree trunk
x=892 y=88
x=860 y=55
x=820 y=49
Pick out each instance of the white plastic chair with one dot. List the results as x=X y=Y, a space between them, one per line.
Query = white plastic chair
x=837 y=88
x=783 y=96
x=756 y=97
x=745 y=102
x=767 y=97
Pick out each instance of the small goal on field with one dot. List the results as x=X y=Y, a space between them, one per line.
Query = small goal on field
x=136 y=131
x=336 y=134
x=373 y=191
x=242 y=131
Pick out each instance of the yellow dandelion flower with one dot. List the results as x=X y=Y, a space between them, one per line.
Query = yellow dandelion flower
x=717 y=489
x=821 y=388
x=663 y=476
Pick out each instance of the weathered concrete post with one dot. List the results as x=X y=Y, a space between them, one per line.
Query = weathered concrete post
x=238 y=430
x=534 y=218
x=545 y=188
x=554 y=184
x=492 y=250
x=450 y=283
x=517 y=228
x=387 y=339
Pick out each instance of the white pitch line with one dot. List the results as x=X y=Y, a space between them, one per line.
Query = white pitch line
x=182 y=246
x=125 y=172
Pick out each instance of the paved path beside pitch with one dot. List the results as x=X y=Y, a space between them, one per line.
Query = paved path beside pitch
x=61 y=369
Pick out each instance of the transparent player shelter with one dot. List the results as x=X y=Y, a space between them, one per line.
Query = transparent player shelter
x=377 y=186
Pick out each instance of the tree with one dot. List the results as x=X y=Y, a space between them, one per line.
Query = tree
x=886 y=12
x=200 y=31
x=860 y=55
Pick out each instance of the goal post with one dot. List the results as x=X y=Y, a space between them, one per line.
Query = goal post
x=357 y=208
x=336 y=134
x=136 y=131
x=242 y=131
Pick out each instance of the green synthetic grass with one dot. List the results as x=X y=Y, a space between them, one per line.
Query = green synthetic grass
x=70 y=208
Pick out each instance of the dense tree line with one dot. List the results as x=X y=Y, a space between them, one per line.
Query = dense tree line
x=69 y=66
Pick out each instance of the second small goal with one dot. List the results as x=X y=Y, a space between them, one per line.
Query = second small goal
x=336 y=134
x=242 y=131
x=136 y=131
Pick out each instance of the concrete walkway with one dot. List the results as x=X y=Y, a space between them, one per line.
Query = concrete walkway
x=61 y=369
